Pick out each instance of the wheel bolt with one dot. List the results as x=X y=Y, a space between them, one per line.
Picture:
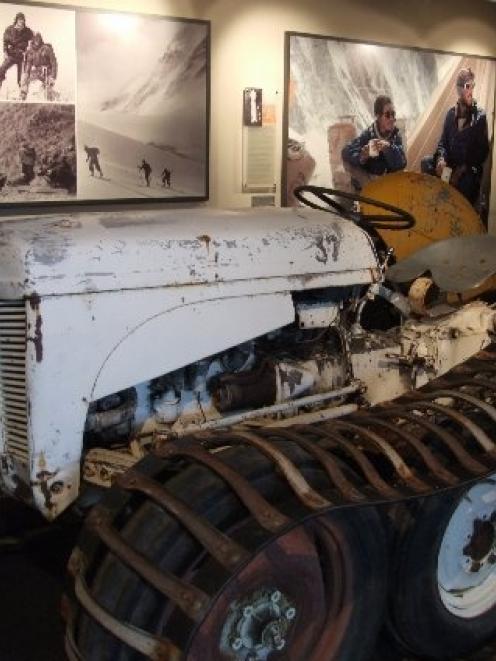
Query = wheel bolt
x=248 y=611
x=280 y=644
x=237 y=644
x=290 y=613
x=275 y=596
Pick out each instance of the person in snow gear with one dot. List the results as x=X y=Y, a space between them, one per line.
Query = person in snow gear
x=166 y=177
x=27 y=157
x=147 y=171
x=15 y=42
x=378 y=149
x=464 y=143
x=40 y=63
x=92 y=154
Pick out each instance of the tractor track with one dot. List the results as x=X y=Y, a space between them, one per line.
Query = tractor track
x=377 y=456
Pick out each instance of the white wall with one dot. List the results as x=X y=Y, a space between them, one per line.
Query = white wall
x=248 y=50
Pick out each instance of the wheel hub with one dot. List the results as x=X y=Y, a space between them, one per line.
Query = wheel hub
x=257 y=625
x=481 y=548
x=467 y=556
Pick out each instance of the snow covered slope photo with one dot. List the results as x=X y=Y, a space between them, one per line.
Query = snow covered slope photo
x=142 y=96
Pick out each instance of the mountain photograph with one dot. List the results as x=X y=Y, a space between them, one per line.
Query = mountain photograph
x=142 y=97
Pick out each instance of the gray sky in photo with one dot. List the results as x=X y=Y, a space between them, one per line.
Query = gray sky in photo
x=116 y=49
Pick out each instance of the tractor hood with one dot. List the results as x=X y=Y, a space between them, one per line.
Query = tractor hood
x=92 y=252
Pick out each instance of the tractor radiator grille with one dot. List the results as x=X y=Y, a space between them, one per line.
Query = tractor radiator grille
x=13 y=400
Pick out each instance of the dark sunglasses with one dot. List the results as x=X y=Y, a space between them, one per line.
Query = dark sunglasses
x=390 y=114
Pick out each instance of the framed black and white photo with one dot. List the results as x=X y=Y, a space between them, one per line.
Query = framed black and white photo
x=100 y=106
x=332 y=86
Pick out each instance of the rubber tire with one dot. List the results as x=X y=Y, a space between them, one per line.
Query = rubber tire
x=420 y=621
x=158 y=535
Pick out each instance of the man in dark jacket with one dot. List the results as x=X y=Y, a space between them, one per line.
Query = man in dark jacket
x=378 y=149
x=40 y=63
x=15 y=42
x=146 y=168
x=464 y=143
x=92 y=154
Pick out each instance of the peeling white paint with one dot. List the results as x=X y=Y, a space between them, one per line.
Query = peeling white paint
x=106 y=252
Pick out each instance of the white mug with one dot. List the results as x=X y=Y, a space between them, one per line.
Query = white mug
x=446 y=174
x=373 y=151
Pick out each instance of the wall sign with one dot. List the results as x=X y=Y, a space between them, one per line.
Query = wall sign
x=259 y=141
x=252 y=106
x=102 y=106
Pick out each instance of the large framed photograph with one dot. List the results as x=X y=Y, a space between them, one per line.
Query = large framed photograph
x=354 y=111
x=102 y=106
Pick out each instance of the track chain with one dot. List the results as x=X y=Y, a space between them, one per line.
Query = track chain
x=426 y=442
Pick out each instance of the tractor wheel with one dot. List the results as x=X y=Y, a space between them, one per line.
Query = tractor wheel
x=315 y=592
x=443 y=594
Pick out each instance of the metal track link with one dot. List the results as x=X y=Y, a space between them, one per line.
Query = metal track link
x=432 y=440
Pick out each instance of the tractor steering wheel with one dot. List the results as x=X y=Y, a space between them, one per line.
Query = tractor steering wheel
x=398 y=219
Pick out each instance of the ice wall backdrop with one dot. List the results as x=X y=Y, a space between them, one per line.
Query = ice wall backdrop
x=330 y=94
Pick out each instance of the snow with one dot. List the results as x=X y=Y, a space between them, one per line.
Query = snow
x=151 y=107
x=10 y=91
x=119 y=160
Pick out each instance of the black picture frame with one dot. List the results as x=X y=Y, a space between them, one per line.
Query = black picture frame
x=299 y=160
x=135 y=105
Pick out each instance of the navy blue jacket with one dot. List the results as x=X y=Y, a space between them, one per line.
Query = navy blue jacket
x=470 y=146
x=465 y=150
x=391 y=159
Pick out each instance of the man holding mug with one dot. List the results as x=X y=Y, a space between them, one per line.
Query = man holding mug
x=378 y=149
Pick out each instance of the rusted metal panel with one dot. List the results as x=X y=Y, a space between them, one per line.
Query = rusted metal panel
x=109 y=252
x=440 y=210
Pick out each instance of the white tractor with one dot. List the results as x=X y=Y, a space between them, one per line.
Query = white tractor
x=283 y=444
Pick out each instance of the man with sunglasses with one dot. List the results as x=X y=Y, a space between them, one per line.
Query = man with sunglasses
x=464 y=143
x=378 y=149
